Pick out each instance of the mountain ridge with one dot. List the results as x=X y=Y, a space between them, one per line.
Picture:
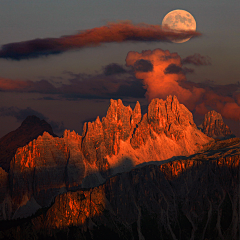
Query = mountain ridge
x=48 y=166
x=128 y=174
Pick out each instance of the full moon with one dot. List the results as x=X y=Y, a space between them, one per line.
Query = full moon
x=179 y=20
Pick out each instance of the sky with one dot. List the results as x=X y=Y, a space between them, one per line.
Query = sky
x=64 y=60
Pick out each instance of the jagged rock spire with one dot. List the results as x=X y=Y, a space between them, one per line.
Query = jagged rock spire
x=213 y=125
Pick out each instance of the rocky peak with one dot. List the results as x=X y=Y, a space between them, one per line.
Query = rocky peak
x=136 y=115
x=117 y=111
x=71 y=135
x=169 y=116
x=30 y=129
x=213 y=125
x=33 y=120
x=103 y=138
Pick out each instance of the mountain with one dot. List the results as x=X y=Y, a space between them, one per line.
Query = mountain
x=30 y=129
x=49 y=166
x=213 y=126
x=128 y=176
x=195 y=197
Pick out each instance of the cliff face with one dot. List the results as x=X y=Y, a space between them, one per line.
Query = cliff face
x=192 y=198
x=213 y=125
x=30 y=129
x=167 y=130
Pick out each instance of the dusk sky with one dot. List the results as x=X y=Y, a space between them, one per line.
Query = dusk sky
x=69 y=80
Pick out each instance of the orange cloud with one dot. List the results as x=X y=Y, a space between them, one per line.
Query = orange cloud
x=12 y=85
x=231 y=111
x=113 y=32
x=165 y=76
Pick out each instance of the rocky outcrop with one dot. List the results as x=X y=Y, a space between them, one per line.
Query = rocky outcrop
x=38 y=170
x=213 y=125
x=192 y=198
x=30 y=129
x=44 y=168
x=167 y=130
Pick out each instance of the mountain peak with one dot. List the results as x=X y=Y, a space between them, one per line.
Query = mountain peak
x=213 y=125
x=169 y=116
x=30 y=129
x=32 y=120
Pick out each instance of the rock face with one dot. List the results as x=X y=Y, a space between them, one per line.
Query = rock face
x=30 y=129
x=192 y=198
x=213 y=125
x=48 y=165
x=45 y=168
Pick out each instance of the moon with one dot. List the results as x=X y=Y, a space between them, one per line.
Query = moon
x=179 y=20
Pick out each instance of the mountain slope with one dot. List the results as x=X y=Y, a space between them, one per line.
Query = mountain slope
x=30 y=129
x=194 y=197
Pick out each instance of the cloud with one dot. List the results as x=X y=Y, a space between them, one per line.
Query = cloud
x=187 y=70
x=10 y=85
x=173 y=68
x=113 y=82
x=142 y=65
x=168 y=78
x=112 y=32
x=159 y=82
x=113 y=69
x=21 y=114
x=197 y=60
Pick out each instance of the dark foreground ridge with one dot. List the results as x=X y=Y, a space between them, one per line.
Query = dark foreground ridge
x=192 y=198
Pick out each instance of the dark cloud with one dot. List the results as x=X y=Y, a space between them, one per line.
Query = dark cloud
x=113 y=69
x=173 y=69
x=108 y=84
x=100 y=90
x=197 y=60
x=113 y=32
x=22 y=114
x=58 y=127
x=133 y=89
x=143 y=65
x=187 y=70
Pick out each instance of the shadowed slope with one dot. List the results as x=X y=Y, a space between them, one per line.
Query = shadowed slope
x=30 y=129
x=191 y=198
